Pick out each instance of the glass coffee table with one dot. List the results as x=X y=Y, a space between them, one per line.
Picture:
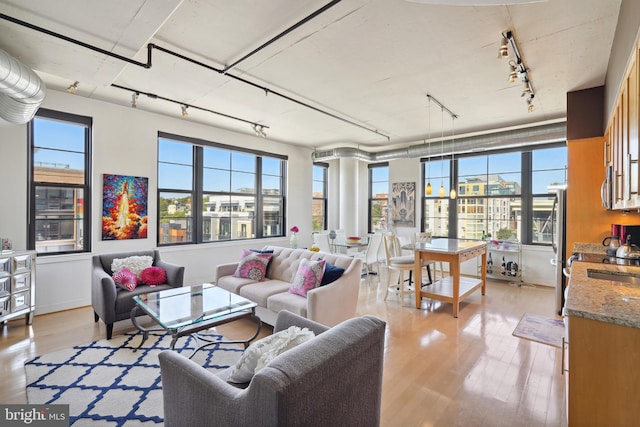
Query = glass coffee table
x=187 y=310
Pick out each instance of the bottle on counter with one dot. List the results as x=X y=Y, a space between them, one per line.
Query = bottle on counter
x=503 y=267
x=489 y=264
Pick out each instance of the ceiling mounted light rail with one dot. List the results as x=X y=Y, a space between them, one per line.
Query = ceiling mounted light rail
x=517 y=68
x=222 y=71
x=183 y=106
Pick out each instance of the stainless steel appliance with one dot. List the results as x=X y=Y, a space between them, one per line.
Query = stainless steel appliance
x=558 y=240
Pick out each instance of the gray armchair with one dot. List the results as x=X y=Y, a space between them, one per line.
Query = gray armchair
x=334 y=379
x=110 y=302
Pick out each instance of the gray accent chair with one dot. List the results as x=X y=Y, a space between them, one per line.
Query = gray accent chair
x=112 y=303
x=334 y=379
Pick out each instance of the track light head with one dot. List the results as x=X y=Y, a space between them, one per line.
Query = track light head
x=259 y=130
x=183 y=108
x=134 y=97
x=73 y=87
x=513 y=73
x=503 y=52
x=531 y=108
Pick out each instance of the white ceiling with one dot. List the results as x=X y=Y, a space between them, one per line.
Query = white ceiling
x=370 y=63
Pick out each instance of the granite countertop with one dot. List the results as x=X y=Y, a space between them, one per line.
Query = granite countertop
x=603 y=300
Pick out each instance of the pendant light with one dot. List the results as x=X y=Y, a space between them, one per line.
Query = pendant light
x=442 y=154
x=452 y=193
x=429 y=190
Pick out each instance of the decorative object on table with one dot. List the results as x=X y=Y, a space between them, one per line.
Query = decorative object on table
x=293 y=241
x=314 y=248
x=7 y=244
x=332 y=237
x=96 y=378
x=353 y=239
x=124 y=207
x=403 y=198
x=542 y=329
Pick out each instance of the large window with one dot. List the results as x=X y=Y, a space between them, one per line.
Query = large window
x=489 y=196
x=503 y=195
x=319 y=206
x=435 y=200
x=210 y=192
x=59 y=183
x=378 y=197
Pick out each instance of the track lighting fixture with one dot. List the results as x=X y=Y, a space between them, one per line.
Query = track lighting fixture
x=452 y=193
x=513 y=74
x=531 y=107
x=259 y=130
x=73 y=87
x=183 y=106
x=429 y=189
x=503 y=52
x=517 y=67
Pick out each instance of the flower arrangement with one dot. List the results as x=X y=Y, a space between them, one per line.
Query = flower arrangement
x=294 y=229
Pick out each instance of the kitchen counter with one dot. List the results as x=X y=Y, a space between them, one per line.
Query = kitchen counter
x=603 y=300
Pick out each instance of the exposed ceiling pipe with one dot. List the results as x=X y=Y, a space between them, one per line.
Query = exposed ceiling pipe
x=545 y=134
x=21 y=90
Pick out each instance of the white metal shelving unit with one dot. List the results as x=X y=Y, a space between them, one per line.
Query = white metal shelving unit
x=506 y=257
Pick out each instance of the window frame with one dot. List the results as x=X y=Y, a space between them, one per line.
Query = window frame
x=198 y=192
x=372 y=199
x=325 y=196
x=33 y=185
x=526 y=195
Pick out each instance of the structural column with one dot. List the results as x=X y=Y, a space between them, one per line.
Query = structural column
x=349 y=200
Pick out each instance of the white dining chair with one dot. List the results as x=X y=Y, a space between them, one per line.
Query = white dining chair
x=369 y=256
x=321 y=240
x=397 y=262
x=431 y=266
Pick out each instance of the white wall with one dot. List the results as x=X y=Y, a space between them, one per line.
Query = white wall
x=125 y=143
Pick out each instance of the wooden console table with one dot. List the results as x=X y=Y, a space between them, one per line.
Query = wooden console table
x=451 y=289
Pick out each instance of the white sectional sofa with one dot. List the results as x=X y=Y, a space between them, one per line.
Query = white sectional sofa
x=329 y=304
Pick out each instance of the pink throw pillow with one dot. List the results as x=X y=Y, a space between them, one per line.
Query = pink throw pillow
x=125 y=279
x=153 y=276
x=308 y=276
x=253 y=265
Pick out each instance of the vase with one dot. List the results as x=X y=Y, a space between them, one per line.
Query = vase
x=293 y=241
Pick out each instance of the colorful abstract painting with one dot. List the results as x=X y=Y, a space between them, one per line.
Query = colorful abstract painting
x=124 y=207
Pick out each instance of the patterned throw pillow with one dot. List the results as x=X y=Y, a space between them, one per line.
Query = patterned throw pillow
x=135 y=264
x=308 y=276
x=125 y=279
x=253 y=265
x=153 y=276
x=261 y=352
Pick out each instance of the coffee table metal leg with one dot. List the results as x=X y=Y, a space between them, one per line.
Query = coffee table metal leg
x=207 y=343
x=145 y=332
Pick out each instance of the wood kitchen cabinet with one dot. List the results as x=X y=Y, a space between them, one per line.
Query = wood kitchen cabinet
x=621 y=140
x=604 y=379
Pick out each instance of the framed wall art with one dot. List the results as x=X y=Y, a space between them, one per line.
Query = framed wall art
x=403 y=202
x=124 y=207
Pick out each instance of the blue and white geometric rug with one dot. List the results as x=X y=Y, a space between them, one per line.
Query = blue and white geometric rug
x=106 y=384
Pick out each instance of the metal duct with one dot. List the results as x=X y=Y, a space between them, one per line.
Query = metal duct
x=546 y=134
x=21 y=90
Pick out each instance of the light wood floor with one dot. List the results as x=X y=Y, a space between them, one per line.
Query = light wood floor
x=439 y=370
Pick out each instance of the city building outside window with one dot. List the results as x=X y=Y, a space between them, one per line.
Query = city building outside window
x=209 y=192
x=378 y=197
x=502 y=195
x=59 y=183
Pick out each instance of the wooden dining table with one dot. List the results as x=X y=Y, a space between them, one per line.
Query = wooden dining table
x=453 y=288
